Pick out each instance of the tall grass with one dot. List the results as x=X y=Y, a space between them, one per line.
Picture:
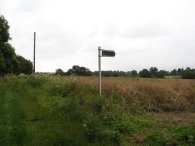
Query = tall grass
x=151 y=94
x=54 y=110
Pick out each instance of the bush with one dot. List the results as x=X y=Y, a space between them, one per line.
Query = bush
x=102 y=129
x=37 y=80
x=63 y=89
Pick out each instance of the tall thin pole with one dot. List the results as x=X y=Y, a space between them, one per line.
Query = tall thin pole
x=34 y=51
x=99 y=66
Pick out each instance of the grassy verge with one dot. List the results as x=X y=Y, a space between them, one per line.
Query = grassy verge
x=44 y=110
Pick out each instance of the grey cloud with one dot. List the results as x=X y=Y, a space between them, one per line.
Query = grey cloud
x=56 y=43
x=139 y=42
x=151 y=30
x=147 y=31
x=179 y=43
x=112 y=30
x=28 y=6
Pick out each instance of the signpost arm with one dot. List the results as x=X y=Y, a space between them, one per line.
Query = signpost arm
x=99 y=67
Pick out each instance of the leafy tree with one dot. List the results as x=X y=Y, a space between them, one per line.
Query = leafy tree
x=133 y=73
x=2 y=64
x=77 y=70
x=174 y=72
x=9 y=61
x=188 y=73
x=180 y=71
x=153 y=71
x=69 y=72
x=145 y=73
x=59 y=72
x=24 y=66
x=4 y=30
x=162 y=74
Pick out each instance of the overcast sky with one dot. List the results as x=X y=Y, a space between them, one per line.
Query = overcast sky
x=143 y=33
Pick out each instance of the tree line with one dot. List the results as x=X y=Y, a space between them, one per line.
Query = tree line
x=152 y=72
x=75 y=70
x=9 y=61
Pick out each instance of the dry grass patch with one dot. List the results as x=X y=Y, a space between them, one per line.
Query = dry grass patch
x=152 y=94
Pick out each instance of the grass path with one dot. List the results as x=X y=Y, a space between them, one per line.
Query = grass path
x=13 y=129
x=47 y=126
x=27 y=118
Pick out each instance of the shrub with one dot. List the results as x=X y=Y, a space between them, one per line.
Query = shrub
x=37 y=80
x=63 y=89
